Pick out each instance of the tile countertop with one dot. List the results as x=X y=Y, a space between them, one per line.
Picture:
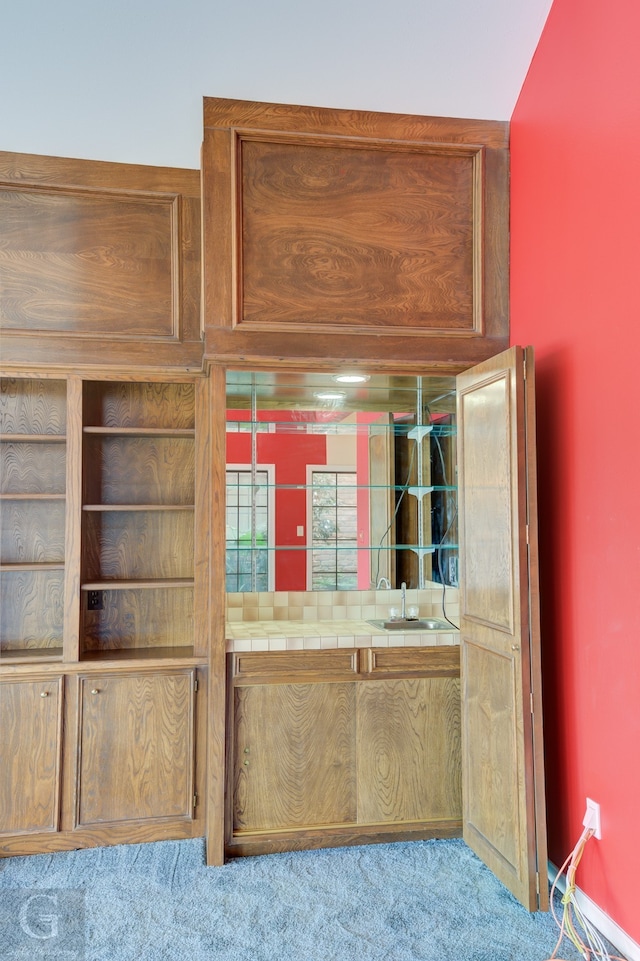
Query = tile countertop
x=245 y=636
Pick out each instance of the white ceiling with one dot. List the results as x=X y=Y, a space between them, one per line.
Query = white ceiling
x=124 y=79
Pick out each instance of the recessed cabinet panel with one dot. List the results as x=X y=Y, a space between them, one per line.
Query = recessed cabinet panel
x=294 y=756
x=409 y=750
x=135 y=747
x=84 y=247
x=100 y=263
x=30 y=721
x=493 y=808
x=489 y=564
x=375 y=236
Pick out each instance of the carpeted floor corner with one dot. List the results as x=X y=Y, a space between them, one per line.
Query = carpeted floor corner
x=415 y=901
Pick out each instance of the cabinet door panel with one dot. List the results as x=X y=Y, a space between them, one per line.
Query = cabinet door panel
x=502 y=761
x=294 y=757
x=30 y=716
x=408 y=749
x=136 y=747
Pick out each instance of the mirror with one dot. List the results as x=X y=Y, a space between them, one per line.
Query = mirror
x=336 y=484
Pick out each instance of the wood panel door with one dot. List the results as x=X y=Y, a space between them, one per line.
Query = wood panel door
x=136 y=747
x=408 y=750
x=294 y=764
x=502 y=764
x=30 y=747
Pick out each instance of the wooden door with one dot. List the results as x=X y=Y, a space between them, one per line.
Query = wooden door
x=136 y=751
x=502 y=764
x=30 y=721
x=408 y=750
x=294 y=763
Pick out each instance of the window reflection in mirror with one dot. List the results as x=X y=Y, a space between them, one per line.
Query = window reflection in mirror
x=334 y=486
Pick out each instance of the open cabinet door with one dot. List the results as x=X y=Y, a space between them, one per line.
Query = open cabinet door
x=502 y=763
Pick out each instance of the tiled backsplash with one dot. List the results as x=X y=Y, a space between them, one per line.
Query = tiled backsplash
x=338 y=605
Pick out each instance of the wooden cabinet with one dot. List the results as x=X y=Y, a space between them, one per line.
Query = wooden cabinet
x=101 y=573
x=32 y=516
x=30 y=754
x=138 y=517
x=335 y=747
x=135 y=747
x=327 y=231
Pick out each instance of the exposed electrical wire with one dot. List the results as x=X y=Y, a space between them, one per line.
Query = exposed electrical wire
x=573 y=924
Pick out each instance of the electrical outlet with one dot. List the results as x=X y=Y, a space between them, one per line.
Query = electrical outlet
x=592 y=818
x=95 y=601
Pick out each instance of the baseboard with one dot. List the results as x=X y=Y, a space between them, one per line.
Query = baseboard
x=629 y=948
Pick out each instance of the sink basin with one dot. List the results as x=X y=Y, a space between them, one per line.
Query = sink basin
x=423 y=624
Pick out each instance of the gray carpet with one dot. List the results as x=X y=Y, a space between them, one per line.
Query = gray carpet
x=417 y=901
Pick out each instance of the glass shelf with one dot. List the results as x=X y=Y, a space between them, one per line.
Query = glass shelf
x=434 y=488
x=367 y=429
x=233 y=545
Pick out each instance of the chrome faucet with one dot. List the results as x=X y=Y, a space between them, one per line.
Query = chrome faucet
x=383 y=582
x=403 y=606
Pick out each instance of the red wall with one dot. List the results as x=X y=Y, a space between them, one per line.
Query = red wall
x=290 y=460
x=575 y=209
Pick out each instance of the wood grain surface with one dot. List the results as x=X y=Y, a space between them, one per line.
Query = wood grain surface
x=74 y=261
x=31 y=609
x=135 y=747
x=295 y=761
x=153 y=404
x=408 y=750
x=149 y=617
x=139 y=470
x=32 y=406
x=30 y=753
x=99 y=264
x=32 y=531
x=356 y=237
x=138 y=545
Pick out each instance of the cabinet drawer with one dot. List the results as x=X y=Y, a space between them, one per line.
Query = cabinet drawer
x=283 y=665
x=410 y=661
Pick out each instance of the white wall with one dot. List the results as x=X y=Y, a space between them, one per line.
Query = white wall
x=124 y=79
